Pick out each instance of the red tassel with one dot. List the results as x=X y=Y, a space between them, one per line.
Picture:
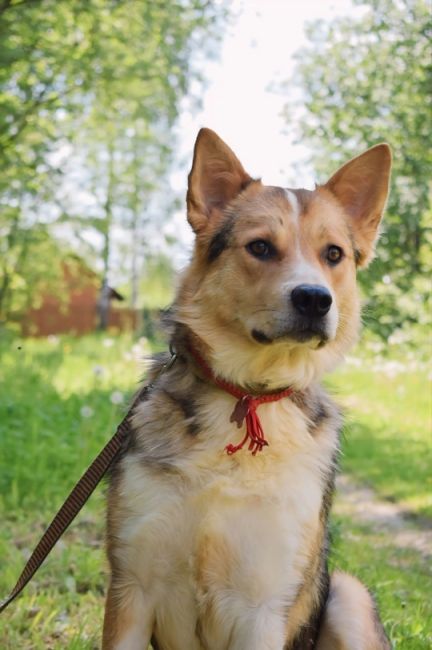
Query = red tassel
x=245 y=408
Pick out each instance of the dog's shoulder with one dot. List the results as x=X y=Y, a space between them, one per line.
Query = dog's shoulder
x=319 y=409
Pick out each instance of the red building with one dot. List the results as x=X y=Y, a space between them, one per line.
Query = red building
x=74 y=309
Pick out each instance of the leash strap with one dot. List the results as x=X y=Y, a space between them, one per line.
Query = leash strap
x=80 y=493
x=70 y=508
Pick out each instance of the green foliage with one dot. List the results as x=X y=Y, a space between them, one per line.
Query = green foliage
x=89 y=91
x=367 y=78
x=157 y=282
x=29 y=258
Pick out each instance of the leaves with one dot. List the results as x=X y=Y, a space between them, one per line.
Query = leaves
x=89 y=91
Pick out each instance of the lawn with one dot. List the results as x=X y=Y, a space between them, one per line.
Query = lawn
x=388 y=434
x=60 y=400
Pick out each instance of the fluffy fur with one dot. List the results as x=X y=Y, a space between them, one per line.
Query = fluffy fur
x=217 y=552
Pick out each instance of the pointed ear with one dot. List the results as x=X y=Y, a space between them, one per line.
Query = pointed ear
x=362 y=186
x=216 y=177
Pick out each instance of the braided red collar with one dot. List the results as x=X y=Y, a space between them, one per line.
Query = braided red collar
x=245 y=408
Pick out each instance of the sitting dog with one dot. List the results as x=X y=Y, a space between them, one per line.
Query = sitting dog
x=218 y=507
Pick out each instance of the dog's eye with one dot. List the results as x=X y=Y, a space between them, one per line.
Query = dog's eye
x=261 y=249
x=334 y=254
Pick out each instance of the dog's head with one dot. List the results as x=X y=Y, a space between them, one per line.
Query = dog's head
x=271 y=289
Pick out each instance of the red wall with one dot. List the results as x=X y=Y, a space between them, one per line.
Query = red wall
x=75 y=313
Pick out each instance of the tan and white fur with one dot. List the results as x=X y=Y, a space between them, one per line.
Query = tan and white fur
x=216 y=552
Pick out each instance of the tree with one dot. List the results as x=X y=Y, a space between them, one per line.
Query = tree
x=103 y=80
x=35 y=62
x=366 y=79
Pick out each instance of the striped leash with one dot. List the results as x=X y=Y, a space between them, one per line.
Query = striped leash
x=79 y=495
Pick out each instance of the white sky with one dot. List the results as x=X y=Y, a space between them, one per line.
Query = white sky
x=256 y=52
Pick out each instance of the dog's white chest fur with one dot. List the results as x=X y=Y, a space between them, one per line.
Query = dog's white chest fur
x=226 y=539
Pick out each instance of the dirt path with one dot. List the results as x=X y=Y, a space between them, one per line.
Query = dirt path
x=363 y=504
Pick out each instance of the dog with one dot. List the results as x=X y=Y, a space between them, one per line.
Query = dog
x=218 y=506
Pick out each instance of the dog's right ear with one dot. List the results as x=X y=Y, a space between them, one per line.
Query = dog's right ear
x=216 y=177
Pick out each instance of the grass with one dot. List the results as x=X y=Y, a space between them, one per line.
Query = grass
x=399 y=580
x=388 y=435
x=60 y=401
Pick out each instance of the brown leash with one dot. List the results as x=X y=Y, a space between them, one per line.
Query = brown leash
x=69 y=510
x=79 y=496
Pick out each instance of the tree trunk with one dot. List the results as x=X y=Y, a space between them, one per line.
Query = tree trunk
x=104 y=300
x=134 y=230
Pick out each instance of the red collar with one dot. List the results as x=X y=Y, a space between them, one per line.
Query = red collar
x=245 y=408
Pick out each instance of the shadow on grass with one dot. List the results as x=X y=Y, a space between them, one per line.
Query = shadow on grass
x=395 y=464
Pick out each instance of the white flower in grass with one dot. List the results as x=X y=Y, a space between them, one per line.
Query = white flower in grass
x=99 y=371
x=390 y=368
x=86 y=411
x=354 y=361
x=54 y=340
x=397 y=337
x=70 y=584
x=108 y=343
x=116 y=397
x=375 y=346
x=141 y=348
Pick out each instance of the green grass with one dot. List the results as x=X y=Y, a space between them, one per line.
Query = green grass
x=56 y=410
x=59 y=404
x=399 y=579
x=388 y=434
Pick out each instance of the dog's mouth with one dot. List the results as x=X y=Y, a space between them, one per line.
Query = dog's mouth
x=308 y=333
x=260 y=337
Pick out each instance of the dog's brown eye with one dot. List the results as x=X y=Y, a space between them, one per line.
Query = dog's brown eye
x=334 y=254
x=261 y=249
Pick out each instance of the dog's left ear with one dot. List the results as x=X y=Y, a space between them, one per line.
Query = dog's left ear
x=216 y=177
x=361 y=186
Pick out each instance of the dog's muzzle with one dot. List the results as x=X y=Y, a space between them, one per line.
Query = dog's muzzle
x=310 y=304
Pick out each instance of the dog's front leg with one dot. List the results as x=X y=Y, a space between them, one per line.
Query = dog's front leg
x=128 y=620
x=240 y=626
x=261 y=628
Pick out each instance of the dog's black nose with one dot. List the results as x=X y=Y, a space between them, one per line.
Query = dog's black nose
x=311 y=300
